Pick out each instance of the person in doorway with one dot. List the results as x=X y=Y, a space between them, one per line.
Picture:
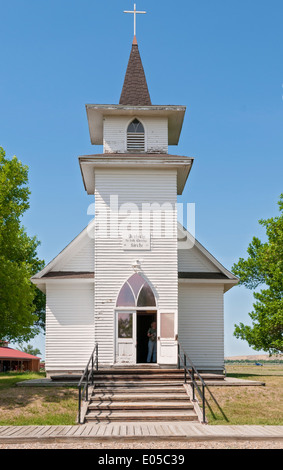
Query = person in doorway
x=151 y=343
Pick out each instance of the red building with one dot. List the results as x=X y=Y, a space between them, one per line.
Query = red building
x=12 y=359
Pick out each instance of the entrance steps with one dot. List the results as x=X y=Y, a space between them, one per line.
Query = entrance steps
x=164 y=378
x=140 y=415
x=145 y=376
x=136 y=405
x=139 y=395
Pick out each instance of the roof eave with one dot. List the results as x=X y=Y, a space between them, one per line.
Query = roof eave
x=88 y=164
x=97 y=112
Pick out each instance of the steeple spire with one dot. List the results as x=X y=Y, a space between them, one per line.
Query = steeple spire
x=135 y=90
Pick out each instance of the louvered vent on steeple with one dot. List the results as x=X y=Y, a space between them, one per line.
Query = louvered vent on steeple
x=135 y=137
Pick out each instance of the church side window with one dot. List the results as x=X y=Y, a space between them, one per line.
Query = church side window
x=135 y=137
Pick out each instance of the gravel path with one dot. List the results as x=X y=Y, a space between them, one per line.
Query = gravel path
x=248 y=444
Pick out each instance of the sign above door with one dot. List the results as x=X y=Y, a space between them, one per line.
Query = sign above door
x=136 y=241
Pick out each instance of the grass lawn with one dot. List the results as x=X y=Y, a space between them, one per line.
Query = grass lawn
x=225 y=405
x=247 y=404
x=20 y=406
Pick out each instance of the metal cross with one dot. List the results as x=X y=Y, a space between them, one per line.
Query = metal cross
x=135 y=17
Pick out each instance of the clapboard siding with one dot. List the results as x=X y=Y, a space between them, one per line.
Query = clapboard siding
x=69 y=326
x=80 y=259
x=113 y=265
x=192 y=260
x=115 y=134
x=157 y=134
x=201 y=324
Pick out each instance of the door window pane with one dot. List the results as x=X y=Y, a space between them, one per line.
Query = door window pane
x=125 y=325
x=167 y=329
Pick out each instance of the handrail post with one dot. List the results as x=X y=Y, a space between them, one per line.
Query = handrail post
x=193 y=373
x=88 y=377
x=86 y=395
x=80 y=399
x=92 y=370
x=203 y=404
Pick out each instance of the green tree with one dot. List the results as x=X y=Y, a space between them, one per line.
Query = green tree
x=29 y=349
x=264 y=267
x=21 y=304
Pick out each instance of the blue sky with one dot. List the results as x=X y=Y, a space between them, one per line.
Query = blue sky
x=221 y=59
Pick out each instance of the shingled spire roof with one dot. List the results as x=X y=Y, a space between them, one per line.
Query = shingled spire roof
x=135 y=91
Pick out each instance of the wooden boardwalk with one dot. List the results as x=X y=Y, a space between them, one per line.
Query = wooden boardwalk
x=138 y=430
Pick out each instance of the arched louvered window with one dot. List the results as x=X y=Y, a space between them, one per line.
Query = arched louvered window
x=136 y=292
x=135 y=137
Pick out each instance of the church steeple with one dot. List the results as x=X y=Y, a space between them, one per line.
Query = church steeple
x=135 y=90
x=135 y=125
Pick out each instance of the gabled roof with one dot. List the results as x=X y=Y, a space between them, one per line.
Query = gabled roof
x=188 y=242
x=185 y=241
x=88 y=231
x=135 y=90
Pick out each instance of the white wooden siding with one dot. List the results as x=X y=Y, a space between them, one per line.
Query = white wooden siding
x=113 y=265
x=69 y=326
x=192 y=260
x=115 y=134
x=157 y=134
x=201 y=324
x=81 y=257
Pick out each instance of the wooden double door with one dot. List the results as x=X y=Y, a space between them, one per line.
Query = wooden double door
x=131 y=345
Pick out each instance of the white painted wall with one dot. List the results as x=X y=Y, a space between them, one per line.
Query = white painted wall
x=201 y=324
x=113 y=265
x=115 y=134
x=69 y=326
x=79 y=258
x=192 y=260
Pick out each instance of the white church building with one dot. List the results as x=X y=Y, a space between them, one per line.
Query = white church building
x=135 y=263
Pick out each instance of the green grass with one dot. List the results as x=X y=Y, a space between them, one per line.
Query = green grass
x=23 y=406
x=9 y=379
x=225 y=405
x=260 y=405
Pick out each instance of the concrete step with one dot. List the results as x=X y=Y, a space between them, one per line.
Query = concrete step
x=129 y=384
x=138 y=377
x=162 y=415
x=159 y=377
x=147 y=383
x=139 y=371
x=154 y=372
x=129 y=374
x=142 y=405
x=138 y=389
x=135 y=397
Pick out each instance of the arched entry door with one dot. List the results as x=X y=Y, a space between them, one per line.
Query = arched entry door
x=135 y=298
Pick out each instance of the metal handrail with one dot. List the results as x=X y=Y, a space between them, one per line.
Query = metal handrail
x=184 y=358
x=87 y=379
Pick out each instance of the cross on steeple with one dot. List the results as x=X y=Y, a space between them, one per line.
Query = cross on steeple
x=135 y=12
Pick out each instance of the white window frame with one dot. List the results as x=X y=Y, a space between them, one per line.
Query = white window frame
x=145 y=136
